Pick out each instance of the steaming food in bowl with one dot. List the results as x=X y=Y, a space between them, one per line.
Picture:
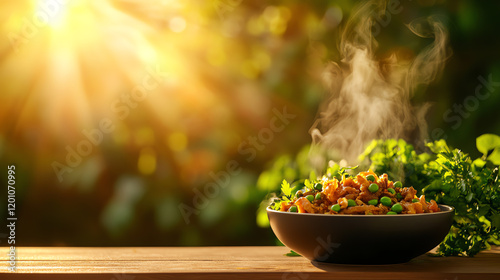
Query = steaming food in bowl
x=364 y=194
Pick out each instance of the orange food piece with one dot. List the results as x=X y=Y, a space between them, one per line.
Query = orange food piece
x=348 y=182
x=329 y=190
x=433 y=207
x=423 y=203
x=304 y=205
x=342 y=202
x=283 y=206
x=408 y=207
x=418 y=207
x=362 y=181
x=369 y=172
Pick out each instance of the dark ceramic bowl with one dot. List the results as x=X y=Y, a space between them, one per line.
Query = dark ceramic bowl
x=361 y=239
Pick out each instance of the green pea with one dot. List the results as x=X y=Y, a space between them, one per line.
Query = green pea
x=310 y=197
x=399 y=196
x=335 y=208
x=391 y=213
x=391 y=190
x=293 y=209
x=299 y=193
x=318 y=186
x=397 y=208
x=415 y=200
x=398 y=184
x=373 y=202
x=386 y=201
x=370 y=178
x=318 y=196
x=373 y=188
x=351 y=202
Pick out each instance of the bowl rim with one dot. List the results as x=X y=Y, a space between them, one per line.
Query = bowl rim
x=441 y=206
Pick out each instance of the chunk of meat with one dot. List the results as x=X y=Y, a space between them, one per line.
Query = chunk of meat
x=362 y=181
x=284 y=206
x=433 y=207
x=342 y=202
x=304 y=205
x=359 y=202
x=367 y=196
x=418 y=207
x=408 y=193
x=341 y=191
x=423 y=203
x=347 y=192
x=383 y=209
x=408 y=207
x=348 y=182
x=383 y=181
x=330 y=189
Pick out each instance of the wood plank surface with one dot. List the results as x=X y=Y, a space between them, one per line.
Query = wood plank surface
x=227 y=263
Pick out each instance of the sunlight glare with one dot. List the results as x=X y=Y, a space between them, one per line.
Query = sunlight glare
x=52 y=13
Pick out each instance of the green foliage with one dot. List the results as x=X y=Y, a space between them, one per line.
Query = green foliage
x=475 y=194
x=286 y=190
x=450 y=177
x=400 y=161
x=489 y=145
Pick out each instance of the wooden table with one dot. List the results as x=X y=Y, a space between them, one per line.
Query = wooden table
x=134 y=263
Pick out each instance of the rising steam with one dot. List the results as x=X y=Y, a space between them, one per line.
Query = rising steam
x=370 y=99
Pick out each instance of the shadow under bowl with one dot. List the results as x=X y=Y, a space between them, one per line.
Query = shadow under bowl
x=361 y=239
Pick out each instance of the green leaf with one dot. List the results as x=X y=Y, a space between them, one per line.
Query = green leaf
x=495 y=156
x=495 y=220
x=350 y=168
x=436 y=185
x=479 y=163
x=308 y=184
x=469 y=197
x=483 y=210
x=438 y=146
x=487 y=142
x=292 y=253
x=286 y=189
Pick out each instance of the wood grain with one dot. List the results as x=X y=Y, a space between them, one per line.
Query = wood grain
x=228 y=263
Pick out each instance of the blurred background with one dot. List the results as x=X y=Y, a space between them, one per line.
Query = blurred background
x=123 y=117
